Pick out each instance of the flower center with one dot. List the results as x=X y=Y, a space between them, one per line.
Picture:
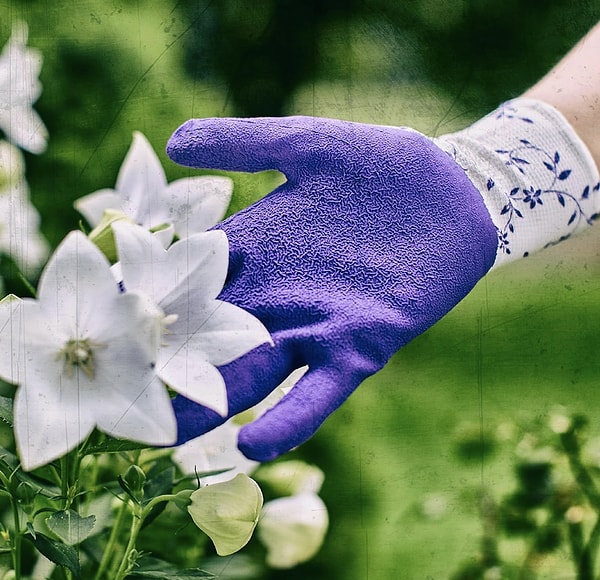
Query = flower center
x=78 y=353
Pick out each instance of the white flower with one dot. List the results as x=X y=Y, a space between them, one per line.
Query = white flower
x=214 y=451
x=20 y=236
x=292 y=477
x=200 y=332
x=217 y=449
x=184 y=207
x=293 y=529
x=82 y=355
x=19 y=89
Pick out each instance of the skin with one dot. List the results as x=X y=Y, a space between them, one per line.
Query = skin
x=573 y=87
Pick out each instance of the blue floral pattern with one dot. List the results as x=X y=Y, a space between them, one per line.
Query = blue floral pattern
x=536 y=176
x=519 y=200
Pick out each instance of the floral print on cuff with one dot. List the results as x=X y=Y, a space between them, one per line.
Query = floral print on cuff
x=536 y=176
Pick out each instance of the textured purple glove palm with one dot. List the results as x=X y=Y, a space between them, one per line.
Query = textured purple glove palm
x=374 y=237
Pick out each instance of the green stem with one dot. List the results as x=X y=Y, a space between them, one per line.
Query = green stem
x=136 y=525
x=124 y=567
x=489 y=541
x=16 y=536
x=16 y=552
x=576 y=542
x=112 y=541
x=580 y=472
x=585 y=568
x=64 y=480
x=155 y=501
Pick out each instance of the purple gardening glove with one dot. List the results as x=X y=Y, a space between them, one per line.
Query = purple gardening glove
x=375 y=236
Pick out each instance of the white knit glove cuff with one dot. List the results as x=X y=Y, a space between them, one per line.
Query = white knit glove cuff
x=537 y=178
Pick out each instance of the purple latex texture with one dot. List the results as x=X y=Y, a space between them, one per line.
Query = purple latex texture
x=375 y=236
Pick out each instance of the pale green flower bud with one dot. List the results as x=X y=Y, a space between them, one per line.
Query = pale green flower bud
x=227 y=512
x=102 y=235
x=292 y=477
x=293 y=529
x=560 y=421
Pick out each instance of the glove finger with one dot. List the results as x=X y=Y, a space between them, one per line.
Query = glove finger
x=250 y=145
x=248 y=379
x=297 y=416
x=193 y=419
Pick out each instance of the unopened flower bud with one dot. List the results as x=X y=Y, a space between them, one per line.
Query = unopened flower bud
x=227 y=512
x=575 y=514
x=25 y=493
x=102 y=235
x=292 y=477
x=560 y=423
x=135 y=478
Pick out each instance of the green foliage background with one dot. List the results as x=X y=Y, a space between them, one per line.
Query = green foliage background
x=525 y=340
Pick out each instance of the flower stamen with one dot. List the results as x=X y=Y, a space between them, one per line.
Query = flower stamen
x=79 y=353
x=166 y=320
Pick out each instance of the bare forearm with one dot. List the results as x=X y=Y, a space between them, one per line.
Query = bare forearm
x=573 y=87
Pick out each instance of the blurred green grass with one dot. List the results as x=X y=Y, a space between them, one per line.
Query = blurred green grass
x=525 y=340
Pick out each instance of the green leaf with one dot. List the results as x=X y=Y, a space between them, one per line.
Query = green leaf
x=6 y=410
x=111 y=445
x=174 y=575
x=158 y=484
x=150 y=567
x=57 y=552
x=70 y=527
x=125 y=487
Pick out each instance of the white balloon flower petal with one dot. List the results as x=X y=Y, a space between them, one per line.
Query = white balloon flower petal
x=20 y=235
x=184 y=207
x=292 y=529
x=214 y=451
x=217 y=449
x=82 y=355
x=199 y=331
x=141 y=181
x=19 y=88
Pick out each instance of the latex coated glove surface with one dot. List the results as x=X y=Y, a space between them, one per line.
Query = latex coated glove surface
x=375 y=236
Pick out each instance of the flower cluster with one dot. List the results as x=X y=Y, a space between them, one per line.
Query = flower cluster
x=100 y=344
x=20 y=237
x=122 y=318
